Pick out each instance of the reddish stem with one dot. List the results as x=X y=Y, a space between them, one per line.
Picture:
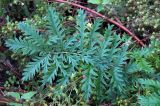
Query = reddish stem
x=104 y=17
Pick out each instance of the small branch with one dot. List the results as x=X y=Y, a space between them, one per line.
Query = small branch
x=13 y=90
x=104 y=17
x=4 y=99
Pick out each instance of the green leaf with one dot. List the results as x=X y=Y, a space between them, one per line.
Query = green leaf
x=81 y=27
x=100 y=8
x=61 y=56
x=95 y=1
x=23 y=45
x=87 y=82
x=144 y=65
x=101 y=83
x=54 y=26
x=131 y=68
x=94 y=31
x=14 y=94
x=105 y=1
x=33 y=67
x=50 y=75
x=149 y=82
x=64 y=79
x=108 y=32
x=150 y=100
x=31 y=33
x=73 y=59
x=28 y=95
x=117 y=72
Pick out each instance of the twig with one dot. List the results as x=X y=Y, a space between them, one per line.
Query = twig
x=104 y=17
x=4 y=100
x=16 y=90
x=7 y=99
